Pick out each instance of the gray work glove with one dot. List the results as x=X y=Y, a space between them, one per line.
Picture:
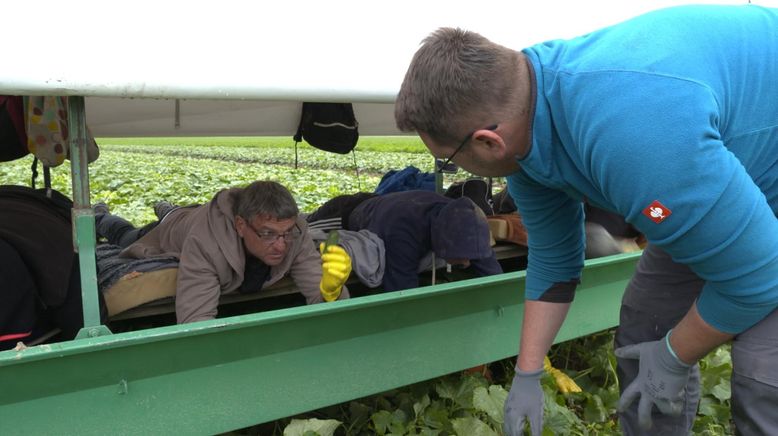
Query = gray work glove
x=661 y=379
x=525 y=400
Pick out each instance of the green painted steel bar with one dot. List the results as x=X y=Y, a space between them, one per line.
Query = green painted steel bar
x=78 y=153
x=224 y=374
x=84 y=224
x=83 y=218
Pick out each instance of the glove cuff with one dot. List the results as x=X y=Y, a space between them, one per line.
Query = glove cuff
x=528 y=374
x=671 y=360
x=330 y=295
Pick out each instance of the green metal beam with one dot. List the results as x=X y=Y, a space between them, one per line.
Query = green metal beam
x=78 y=151
x=83 y=219
x=230 y=373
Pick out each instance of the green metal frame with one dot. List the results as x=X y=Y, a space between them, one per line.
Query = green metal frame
x=83 y=219
x=230 y=373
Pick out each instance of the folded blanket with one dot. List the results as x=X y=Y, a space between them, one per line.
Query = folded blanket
x=111 y=268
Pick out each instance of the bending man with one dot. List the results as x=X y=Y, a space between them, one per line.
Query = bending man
x=670 y=120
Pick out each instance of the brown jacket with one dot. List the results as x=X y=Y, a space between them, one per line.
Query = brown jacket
x=212 y=257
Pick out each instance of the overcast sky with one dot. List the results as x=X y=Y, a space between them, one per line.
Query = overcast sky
x=157 y=48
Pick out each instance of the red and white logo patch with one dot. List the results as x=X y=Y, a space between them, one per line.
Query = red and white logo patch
x=657 y=212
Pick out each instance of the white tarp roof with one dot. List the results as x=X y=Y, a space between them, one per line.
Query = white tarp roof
x=133 y=59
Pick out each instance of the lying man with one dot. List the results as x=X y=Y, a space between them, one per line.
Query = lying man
x=243 y=239
x=413 y=223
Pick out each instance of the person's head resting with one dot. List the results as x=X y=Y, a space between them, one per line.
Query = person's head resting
x=460 y=233
x=461 y=88
x=265 y=218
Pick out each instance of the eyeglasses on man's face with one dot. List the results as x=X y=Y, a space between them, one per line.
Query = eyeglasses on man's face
x=493 y=127
x=269 y=237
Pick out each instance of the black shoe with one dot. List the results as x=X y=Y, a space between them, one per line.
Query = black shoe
x=478 y=191
x=100 y=208
x=162 y=208
x=503 y=202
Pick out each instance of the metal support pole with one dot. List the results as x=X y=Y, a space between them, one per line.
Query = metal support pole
x=438 y=176
x=177 y=119
x=84 y=239
x=78 y=157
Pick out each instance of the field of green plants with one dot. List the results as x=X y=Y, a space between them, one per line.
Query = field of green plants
x=131 y=174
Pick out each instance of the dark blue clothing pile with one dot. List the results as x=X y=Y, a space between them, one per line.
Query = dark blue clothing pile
x=411 y=223
x=408 y=179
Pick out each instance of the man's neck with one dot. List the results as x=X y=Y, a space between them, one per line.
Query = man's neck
x=527 y=98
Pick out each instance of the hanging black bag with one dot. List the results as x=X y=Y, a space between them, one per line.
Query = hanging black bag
x=13 y=137
x=328 y=126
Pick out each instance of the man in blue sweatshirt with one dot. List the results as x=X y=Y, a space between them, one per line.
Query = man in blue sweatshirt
x=669 y=119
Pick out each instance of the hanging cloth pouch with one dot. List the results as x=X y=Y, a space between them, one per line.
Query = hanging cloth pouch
x=46 y=122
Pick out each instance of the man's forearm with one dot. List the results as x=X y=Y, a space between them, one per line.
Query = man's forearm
x=693 y=338
x=542 y=321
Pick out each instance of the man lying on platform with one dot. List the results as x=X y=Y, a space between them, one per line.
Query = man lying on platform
x=413 y=224
x=244 y=239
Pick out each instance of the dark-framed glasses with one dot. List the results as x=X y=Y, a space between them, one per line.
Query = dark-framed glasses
x=493 y=127
x=269 y=237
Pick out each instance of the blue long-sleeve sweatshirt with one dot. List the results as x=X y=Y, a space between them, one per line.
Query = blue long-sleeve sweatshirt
x=671 y=120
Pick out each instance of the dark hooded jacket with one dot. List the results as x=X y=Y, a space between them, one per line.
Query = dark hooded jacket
x=40 y=285
x=40 y=230
x=412 y=223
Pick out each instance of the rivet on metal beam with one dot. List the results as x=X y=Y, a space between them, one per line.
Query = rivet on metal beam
x=122 y=387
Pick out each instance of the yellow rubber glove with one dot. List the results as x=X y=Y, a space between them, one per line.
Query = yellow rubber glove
x=563 y=381
x=336 y=266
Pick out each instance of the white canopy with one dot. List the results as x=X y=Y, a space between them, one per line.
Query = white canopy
x=242 y=68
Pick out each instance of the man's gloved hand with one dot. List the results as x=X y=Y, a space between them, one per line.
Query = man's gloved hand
x=336 y=266
x=524 y=402
x=661 y=379
x=563 y=381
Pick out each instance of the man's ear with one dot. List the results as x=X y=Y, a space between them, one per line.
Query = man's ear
x=240 y=225
x=492 y=142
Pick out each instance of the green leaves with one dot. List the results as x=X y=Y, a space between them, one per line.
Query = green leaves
x=405 y=144
x=595 y=410
x=130 y=182
x=457 y=404
x=463 y=391
x=420 y=406
x=491 y=401
x=714 y=410
x=376 y=162
x=558 y=418
x=471 y=426
x=311 y=427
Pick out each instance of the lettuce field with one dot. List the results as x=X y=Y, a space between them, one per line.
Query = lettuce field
x=132 y=174
x=130 y=178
